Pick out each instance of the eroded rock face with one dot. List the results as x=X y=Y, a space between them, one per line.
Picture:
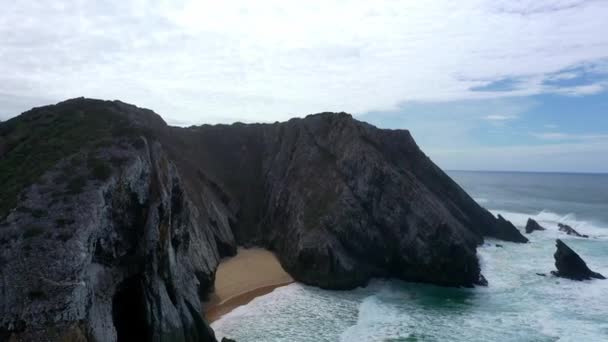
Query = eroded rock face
x=111 y=257
x=341 y=201
x=570 y=265
x=505 y=230
x=338 y=200
x=532 y=225
x=569 y=230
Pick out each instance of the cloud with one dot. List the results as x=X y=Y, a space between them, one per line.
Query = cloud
x=211 y=61
x=558 y=136
x=500 y=118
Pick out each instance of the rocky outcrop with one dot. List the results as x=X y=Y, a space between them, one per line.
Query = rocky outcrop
x=106 y=245
x=505 y=230
x=128 y=217
x=569 y=230
x=570 y=265
x=532 y=225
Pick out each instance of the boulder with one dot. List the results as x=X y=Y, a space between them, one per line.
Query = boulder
x=570 y=231
x=532 y=225
x=570 y=265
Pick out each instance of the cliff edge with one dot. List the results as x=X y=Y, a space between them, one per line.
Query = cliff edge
x=107 y=213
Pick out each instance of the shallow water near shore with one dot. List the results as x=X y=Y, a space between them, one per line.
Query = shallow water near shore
x=518 y=304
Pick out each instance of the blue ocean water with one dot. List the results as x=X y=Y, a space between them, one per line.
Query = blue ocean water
x=518 y=305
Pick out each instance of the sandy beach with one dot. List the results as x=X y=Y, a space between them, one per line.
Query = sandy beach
x=250 y=273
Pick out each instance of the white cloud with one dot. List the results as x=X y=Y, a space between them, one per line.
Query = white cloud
x=210 y=61
x=499 y=118
x=588 y=89
x=568 y=136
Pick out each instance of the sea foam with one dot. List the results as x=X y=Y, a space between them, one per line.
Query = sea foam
x=550 y=220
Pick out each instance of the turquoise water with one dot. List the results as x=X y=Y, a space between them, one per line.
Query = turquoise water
x=518 y=305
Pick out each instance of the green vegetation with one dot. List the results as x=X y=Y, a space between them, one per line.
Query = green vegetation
x=64 y=236
x=99 y=168
x=36 y=295
x=76 y=185
x=35 y=141
x=39 y=213
x=62 y=222
x=32 y=231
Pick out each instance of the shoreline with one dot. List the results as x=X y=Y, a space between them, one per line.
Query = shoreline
x=239 y=279
x=217 y=311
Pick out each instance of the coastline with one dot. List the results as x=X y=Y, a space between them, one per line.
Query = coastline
x=249 y=274
x=216 y=311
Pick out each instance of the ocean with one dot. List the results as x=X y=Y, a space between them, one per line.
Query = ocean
x=517 y=305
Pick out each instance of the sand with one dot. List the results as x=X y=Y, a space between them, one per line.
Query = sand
x=250 y=273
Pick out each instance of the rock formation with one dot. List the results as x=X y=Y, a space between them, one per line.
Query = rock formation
x=570 y=265
x=107 y=212
x=570 y=231
x=532 y=225
x=505 y=230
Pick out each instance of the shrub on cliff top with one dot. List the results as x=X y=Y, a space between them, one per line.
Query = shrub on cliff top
x=36 y=140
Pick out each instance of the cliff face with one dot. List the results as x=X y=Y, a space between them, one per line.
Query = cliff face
x=132 y=221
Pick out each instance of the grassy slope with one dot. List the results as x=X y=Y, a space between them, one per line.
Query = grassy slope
x=36 y=140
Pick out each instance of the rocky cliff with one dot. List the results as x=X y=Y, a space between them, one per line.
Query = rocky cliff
x=112 y=223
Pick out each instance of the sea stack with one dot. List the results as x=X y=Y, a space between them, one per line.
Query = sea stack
x=508 y=232
x=570 y=265
x=116 y=214
x=570 y=231
x=532 y=225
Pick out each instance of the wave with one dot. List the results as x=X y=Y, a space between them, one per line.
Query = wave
x=550 y=220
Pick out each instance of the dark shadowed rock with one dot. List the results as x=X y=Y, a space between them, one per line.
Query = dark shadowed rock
x=570 y=231
x=508 y=232
x=225 y=339
x=114 y=214
x=532 y=225
x=104 y=242
x=570 y=265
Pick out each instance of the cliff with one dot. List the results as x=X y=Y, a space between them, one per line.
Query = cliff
x=109 y=213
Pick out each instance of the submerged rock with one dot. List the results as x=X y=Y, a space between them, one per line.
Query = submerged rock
x=508 y=232
x=127 y=217
x=570 y=265
x=570 y=231
x=532 y=225
x=226 y=339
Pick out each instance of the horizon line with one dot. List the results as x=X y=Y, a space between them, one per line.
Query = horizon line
x=526 y=171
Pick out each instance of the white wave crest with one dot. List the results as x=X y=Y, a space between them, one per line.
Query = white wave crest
x=550 y=220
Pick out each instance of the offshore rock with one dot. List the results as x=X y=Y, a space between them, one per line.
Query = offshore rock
x=569 y=230
x=508 y=232
x=570 y=265
x=532 y=225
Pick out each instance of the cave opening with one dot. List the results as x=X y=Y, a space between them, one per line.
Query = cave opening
x=129 y=311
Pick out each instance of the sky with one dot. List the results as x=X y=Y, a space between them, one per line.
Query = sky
x=483 y=85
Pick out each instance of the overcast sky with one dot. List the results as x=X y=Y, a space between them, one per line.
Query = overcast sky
x=499 y=85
